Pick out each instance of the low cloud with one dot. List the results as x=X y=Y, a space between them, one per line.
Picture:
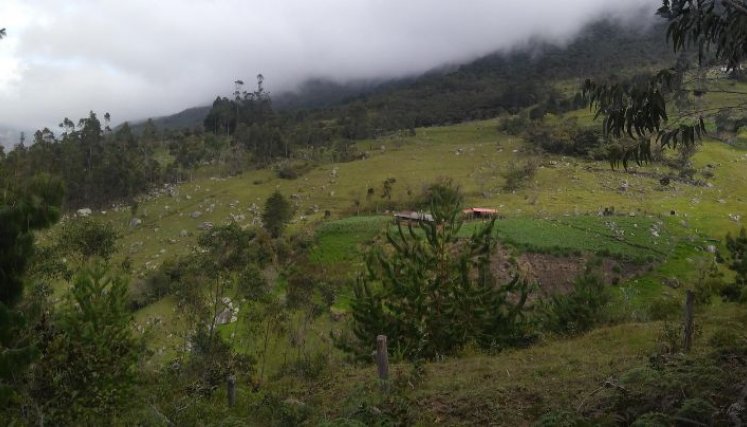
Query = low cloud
x=139 y=58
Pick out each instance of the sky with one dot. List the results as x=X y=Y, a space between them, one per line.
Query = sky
x=144 y=58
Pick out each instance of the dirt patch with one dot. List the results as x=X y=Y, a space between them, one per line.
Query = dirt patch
x=556 y=274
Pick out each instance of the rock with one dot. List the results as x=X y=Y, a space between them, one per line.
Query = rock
x=84 y=212
x=206 y=226
x=295 y=402
x=224 y=316
x=196 y=214
x=336 y=314
x=672 y=282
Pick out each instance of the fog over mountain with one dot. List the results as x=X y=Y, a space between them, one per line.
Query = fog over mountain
x=140 y=58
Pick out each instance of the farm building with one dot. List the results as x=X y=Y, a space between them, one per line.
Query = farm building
x=413 y=216
x=476 y=213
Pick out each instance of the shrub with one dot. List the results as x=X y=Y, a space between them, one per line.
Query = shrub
x=290 y=170
x=561 y=419
x=443 y=194
x=514 y=125
x=87 y=238
x=695 y=411
x=652 y=419
x=518 y=175
x=728 y=341
x=737 y=247
x=664 y=308
x=578 y=311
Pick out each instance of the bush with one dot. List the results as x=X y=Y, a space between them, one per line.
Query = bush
x=561 y=419
x=579 y=310
x=514 y=125
x=87 y=238
x=289 y=170
x=737 y=246
x=728 y=341
x=695 y=411
x=652 y=419
x=664 y=308
x=444 y=194
x=518 y=175
x=566 y=139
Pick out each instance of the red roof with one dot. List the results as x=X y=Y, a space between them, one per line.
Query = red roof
x=480 y=210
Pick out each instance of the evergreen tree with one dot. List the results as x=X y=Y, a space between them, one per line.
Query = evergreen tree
x=431 y=292
x=278 y=212
x=88 y=372
x=737 y=247
x=21 y=212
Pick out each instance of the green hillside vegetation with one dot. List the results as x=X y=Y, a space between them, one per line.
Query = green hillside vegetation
x=556 y=214
x=179 y=289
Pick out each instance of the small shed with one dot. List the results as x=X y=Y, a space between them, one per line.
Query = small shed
x=413 y=216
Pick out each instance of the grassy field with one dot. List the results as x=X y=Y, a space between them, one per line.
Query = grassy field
x=557 y=212
x=473 y=154
x=518 y=386
x=558 y=208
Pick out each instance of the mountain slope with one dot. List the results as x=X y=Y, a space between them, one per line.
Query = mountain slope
x=480 y=89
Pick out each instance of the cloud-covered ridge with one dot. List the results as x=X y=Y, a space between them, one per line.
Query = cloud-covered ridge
x=139 y=58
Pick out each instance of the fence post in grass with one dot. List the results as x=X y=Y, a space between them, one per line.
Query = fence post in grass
x=382 y=362
x=687 y=339
x=231 y=389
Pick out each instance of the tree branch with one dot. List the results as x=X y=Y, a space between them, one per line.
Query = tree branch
x=736 y=5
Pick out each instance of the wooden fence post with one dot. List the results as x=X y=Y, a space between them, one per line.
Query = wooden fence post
x=231 y=389
x=687 y=339
x=382 y=362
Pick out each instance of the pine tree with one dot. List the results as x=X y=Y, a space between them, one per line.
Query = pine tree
x=22 y=211
x=432 y=292
x=88 y=370
x=278 y=212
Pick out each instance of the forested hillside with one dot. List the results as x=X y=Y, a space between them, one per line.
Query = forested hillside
x=501 y=82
